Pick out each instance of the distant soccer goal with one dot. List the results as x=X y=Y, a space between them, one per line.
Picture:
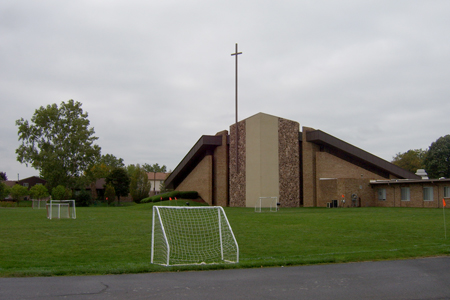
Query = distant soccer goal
x=60 y=209
x=39 y=203
x=183 y=235
x=266 y=204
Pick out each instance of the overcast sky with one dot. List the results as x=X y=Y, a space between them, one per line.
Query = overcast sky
x=156 y=75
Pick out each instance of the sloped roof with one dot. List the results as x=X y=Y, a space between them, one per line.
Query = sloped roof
x=203 y=146
x=358 y=155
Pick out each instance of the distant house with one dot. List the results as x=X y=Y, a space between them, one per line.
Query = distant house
x=27 y=182
x=156 y=180
x=32 y=181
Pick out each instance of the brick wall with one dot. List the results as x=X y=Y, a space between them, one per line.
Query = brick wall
x=220 y=188
x=393 y=195
x=200 y=180
x=309 y=170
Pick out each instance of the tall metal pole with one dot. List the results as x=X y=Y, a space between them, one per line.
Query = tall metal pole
x=236 y=53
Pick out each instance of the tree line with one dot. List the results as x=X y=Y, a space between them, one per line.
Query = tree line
x=59 y=142
x=435 y=160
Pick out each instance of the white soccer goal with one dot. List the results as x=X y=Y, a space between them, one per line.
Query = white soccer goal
x=59 y=209
x=38 y=203
x=266 y=204
x=183 y=235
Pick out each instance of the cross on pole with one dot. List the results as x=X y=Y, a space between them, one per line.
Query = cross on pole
x=236 y=53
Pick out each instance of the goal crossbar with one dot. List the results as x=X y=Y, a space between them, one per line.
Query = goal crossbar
x=183 y=235
x=61 y=209
x=270 y=203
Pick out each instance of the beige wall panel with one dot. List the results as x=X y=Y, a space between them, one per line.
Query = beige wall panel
x=262 y=171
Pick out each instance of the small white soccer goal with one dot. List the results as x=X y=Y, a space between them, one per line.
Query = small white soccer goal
x=266 y=204
x=59 y=209
x=183 y=235
x=38 y=203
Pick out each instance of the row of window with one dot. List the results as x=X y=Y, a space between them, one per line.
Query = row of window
x=405 y=194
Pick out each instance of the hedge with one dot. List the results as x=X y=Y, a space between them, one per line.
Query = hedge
x=173 y=195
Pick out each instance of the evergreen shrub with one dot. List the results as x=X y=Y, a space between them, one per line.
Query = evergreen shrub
x=173 y=194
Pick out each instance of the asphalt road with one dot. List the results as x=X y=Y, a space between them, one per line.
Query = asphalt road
x=427 y=278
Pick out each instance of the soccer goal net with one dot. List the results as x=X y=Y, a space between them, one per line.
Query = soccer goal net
x=59 y=209
x=38 y=203
x=266 y=204
x=183 y=235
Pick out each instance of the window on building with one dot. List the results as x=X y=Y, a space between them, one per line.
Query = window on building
x=25 y=184
x=381 y=194
x=446 y=191
x=405 y=193
x=428 y=193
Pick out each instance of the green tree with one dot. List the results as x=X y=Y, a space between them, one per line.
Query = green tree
x=18 y=192
x=38 y=191
x=437 y=159
x=410 y=160
x=120 y=180
x=4 y=190
x=110 y=194
x=3 y=176
x=154 y=168
x=59 y=143
x=139 y=183
x=61 y=193
x=101 y=169
x=111 y=161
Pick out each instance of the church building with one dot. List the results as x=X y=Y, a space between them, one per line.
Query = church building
x=268 y=156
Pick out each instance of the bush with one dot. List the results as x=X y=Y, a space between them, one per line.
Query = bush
x=61 y=193
x=173 y=195
x=110 y=194
x=83 y=198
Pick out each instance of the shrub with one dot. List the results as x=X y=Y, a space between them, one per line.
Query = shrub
x=110 y=194
x=61 y=193
x=173 y=194
x=83 y=198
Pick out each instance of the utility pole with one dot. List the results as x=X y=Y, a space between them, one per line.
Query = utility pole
x=236 y=53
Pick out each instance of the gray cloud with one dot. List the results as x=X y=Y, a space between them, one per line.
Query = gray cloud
x=155 y=76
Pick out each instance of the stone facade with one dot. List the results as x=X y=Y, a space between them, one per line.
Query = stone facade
x=237 y=174
x=288 y=163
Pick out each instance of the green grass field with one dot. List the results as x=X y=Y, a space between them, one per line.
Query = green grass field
x=116 y=240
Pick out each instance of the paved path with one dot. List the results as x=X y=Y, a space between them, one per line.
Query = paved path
x=427 y=278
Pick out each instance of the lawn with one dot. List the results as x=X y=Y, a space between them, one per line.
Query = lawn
x=116 y=240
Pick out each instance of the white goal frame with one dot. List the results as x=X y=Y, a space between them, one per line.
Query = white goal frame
x=190 y=235
x=55 y=207
x=38 y=203
x=271 y=203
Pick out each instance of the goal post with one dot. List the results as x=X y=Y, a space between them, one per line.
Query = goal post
x=184 y=235
x=59 y=209
x=266 y=204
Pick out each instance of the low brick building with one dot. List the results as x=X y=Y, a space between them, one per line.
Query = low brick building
x=268 y=156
